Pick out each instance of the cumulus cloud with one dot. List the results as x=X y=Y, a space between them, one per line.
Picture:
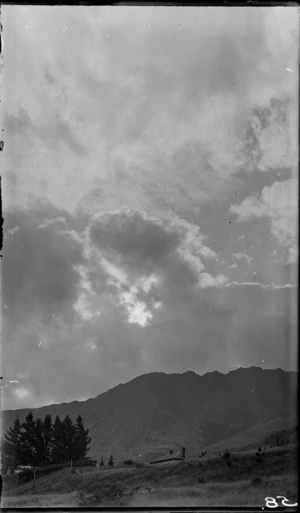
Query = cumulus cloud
x=144 y=245
x=141 y=123
x=238 y=257
x=279 y=203
x=120 y=310
x=116 y=147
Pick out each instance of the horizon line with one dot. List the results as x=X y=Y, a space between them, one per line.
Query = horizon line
x=146 y=374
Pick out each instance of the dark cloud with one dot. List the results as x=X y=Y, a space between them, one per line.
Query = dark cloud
x=138 y=239
x=38 y=274
x=64 y=356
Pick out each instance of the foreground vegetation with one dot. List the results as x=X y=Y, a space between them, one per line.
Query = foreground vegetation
x=41 y=443
x=247 y=480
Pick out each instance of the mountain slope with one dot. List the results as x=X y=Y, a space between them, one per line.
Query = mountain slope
x=157 y=411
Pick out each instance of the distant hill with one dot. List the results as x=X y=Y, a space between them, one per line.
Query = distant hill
x=156 y=412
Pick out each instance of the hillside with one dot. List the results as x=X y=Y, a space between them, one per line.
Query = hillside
x=155 y=412
x=205 y=482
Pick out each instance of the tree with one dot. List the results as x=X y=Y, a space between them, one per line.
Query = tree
x=48 y=428
x=68 y=434
x=102 y=462
x=111 y=461
x=28 y=446
x=11 y=447
x=39 y=443
x=227 y=458
x=81 y=440
x=259 y=455
x=57 y=444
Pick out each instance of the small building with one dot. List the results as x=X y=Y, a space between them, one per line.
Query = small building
x=179 y=456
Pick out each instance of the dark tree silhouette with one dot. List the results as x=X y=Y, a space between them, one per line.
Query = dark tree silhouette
x=39 y=443
x=68 y=432
x=28 y=445
x=48 y=428
x=57 y=444
x=81 y=440
x=259 y=455
x=111 y=461
x=11 y=447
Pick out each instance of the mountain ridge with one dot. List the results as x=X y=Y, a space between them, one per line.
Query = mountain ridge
x=157 y=411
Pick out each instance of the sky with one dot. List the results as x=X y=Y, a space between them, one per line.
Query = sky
x=150 y=195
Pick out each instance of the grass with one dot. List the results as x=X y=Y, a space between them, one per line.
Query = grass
x=240 y=493
x=196 y=482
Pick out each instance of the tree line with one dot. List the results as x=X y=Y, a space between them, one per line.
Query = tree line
x=38 y=442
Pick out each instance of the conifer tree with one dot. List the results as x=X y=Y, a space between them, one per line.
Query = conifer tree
x=111 y=461
x=82 y=440
x=47 y=437
x=28 y=446
x=11 y=447
x=57 y=443
x=68 y=439
x=39 y=443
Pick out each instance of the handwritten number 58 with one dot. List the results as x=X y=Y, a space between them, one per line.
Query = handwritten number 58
x=272 y=503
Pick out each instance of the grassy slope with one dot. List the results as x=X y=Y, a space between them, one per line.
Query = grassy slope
x=257 y=435
x=178 y=483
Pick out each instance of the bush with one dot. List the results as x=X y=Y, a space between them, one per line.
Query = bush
x=256 y=481
x=259 y=455
x=226 y=455
x=227 y=458
x=105 y=495
x=140 y=465
x=201 y=480
x=128 y=462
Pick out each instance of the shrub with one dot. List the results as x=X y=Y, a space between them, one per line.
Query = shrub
x=105 y=495
x=201 y=480
x=140 y=465
x=227 y=458
x=259 y=455
x=256 y=481
x=226 y=455
x=128 y=462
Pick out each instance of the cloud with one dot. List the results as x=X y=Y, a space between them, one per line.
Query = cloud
x=39 y=278
x=278 y=203
x=120 y=311
x=258 y=284
x=238 y=257
x=134 y=242
x=206 y=280
x=113 y=159
x=269 y=136
x=140 y=124
x=22 y=393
